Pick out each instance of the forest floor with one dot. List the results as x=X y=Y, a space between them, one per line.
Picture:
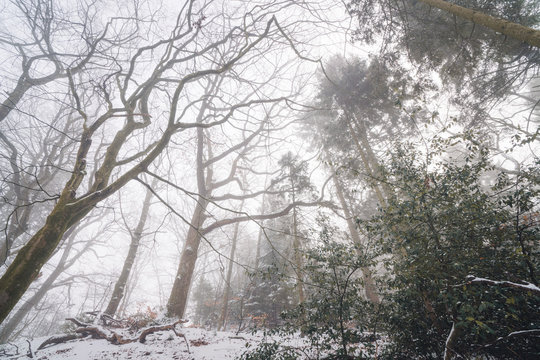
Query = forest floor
x=203 y=345
x=166 y=345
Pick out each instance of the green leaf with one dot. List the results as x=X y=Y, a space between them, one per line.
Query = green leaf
x=511 y=300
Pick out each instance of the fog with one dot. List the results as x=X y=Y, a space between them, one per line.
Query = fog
x=214 y=161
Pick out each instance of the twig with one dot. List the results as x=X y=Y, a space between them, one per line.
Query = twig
x=30 y=352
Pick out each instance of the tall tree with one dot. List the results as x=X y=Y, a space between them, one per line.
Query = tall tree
x=216 y=193
x=451 y=38
x=298 y=185
x=368 y=282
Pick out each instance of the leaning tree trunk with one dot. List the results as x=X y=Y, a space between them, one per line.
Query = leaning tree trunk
x=176 y=305
x=516 y=31
x=372 y=159
x=120 y=286
x=227 y=293
x=20 y=314
x=30 y=259
x=67 y=212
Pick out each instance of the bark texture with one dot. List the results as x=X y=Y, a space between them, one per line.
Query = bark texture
x=180 y=290
x=30 y=259
x=10 y=326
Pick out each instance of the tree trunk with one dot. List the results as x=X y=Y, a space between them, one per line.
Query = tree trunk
x=369 y=284
x=372 y=159
x=366 y=162
x=28 y=262
x=14 y=97
x=120 y=286
x=297 y=258
x=516 y=31
x=258 y=249
x=227 y=293
x=261 y=233
x=67 y=212
x=16 y=319
x=176 y=305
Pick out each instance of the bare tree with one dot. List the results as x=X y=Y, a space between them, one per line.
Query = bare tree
x=233 y=156
x=31 y=174
x=44 y=47
x=134 y=99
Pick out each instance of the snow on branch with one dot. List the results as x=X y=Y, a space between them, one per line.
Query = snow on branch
x=471 y=279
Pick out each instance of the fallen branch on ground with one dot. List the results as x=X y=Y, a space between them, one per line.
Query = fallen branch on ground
x=101 y=332
x=59 y=340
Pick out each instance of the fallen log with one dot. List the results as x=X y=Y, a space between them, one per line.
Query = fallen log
x=100 y=332
x=59 y=340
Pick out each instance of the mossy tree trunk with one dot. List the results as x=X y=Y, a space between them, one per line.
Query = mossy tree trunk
x=16 y=319
x=31 y=258
x=68 y=211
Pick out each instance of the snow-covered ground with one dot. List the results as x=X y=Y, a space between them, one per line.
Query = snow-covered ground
x=162 y=345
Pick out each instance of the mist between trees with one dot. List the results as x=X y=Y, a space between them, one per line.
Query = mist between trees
x=357 y=172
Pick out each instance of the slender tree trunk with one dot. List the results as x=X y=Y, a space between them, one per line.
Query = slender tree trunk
x=261 y=230
x=17 y=226
x=227 y=292
x=516 y=31
x=297 y=255
x=176 y=306
x=369 y=284
x=298 y=261
x=120 y=286
x=259 y=241
x=18 y=222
